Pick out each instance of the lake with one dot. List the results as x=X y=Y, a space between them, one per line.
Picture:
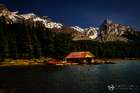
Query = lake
x=123 y=77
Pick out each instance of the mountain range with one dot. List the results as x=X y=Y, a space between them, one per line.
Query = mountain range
x=29 y=35
x=108 y=31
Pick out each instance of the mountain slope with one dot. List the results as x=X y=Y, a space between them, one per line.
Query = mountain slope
x=29 y=36
x=110 y=31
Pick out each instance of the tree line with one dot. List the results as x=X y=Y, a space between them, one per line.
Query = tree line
x=28 y=40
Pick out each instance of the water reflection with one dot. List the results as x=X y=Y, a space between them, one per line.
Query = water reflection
x=71 y=79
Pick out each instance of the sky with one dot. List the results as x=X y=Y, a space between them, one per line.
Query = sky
x=83 y=13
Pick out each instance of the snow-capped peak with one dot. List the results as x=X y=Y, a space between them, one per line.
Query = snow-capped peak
x=14 y=17
x=48 y=23
x=77 y=28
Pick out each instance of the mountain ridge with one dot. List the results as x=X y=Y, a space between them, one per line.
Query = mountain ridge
x=32 y=36
x=108 y=31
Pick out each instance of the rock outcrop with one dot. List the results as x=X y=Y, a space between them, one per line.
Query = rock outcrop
x=91 y=32
x=110 y=31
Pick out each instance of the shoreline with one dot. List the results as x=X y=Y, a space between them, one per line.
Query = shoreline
x=27 y=62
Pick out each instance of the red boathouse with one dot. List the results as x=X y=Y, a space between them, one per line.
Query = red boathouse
x=80 y=57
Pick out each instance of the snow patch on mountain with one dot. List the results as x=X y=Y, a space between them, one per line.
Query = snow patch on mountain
x=14 y=17
x=47 y=23
x=77 y=28
x=28 y=16
x=91 y=32
x=54 y=25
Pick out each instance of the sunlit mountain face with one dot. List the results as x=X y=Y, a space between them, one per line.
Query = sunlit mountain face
x=107 y=31
x=29 y=35
x=82 y=13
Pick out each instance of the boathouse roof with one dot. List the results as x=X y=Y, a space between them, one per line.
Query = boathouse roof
x=82 y=54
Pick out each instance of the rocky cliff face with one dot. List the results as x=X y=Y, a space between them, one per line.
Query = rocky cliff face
x=110 y=31
x=89 y=33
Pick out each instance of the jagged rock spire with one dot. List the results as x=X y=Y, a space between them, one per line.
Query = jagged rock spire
x=107 y=21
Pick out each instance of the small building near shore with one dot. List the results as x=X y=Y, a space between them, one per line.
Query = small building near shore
x=80 y=57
